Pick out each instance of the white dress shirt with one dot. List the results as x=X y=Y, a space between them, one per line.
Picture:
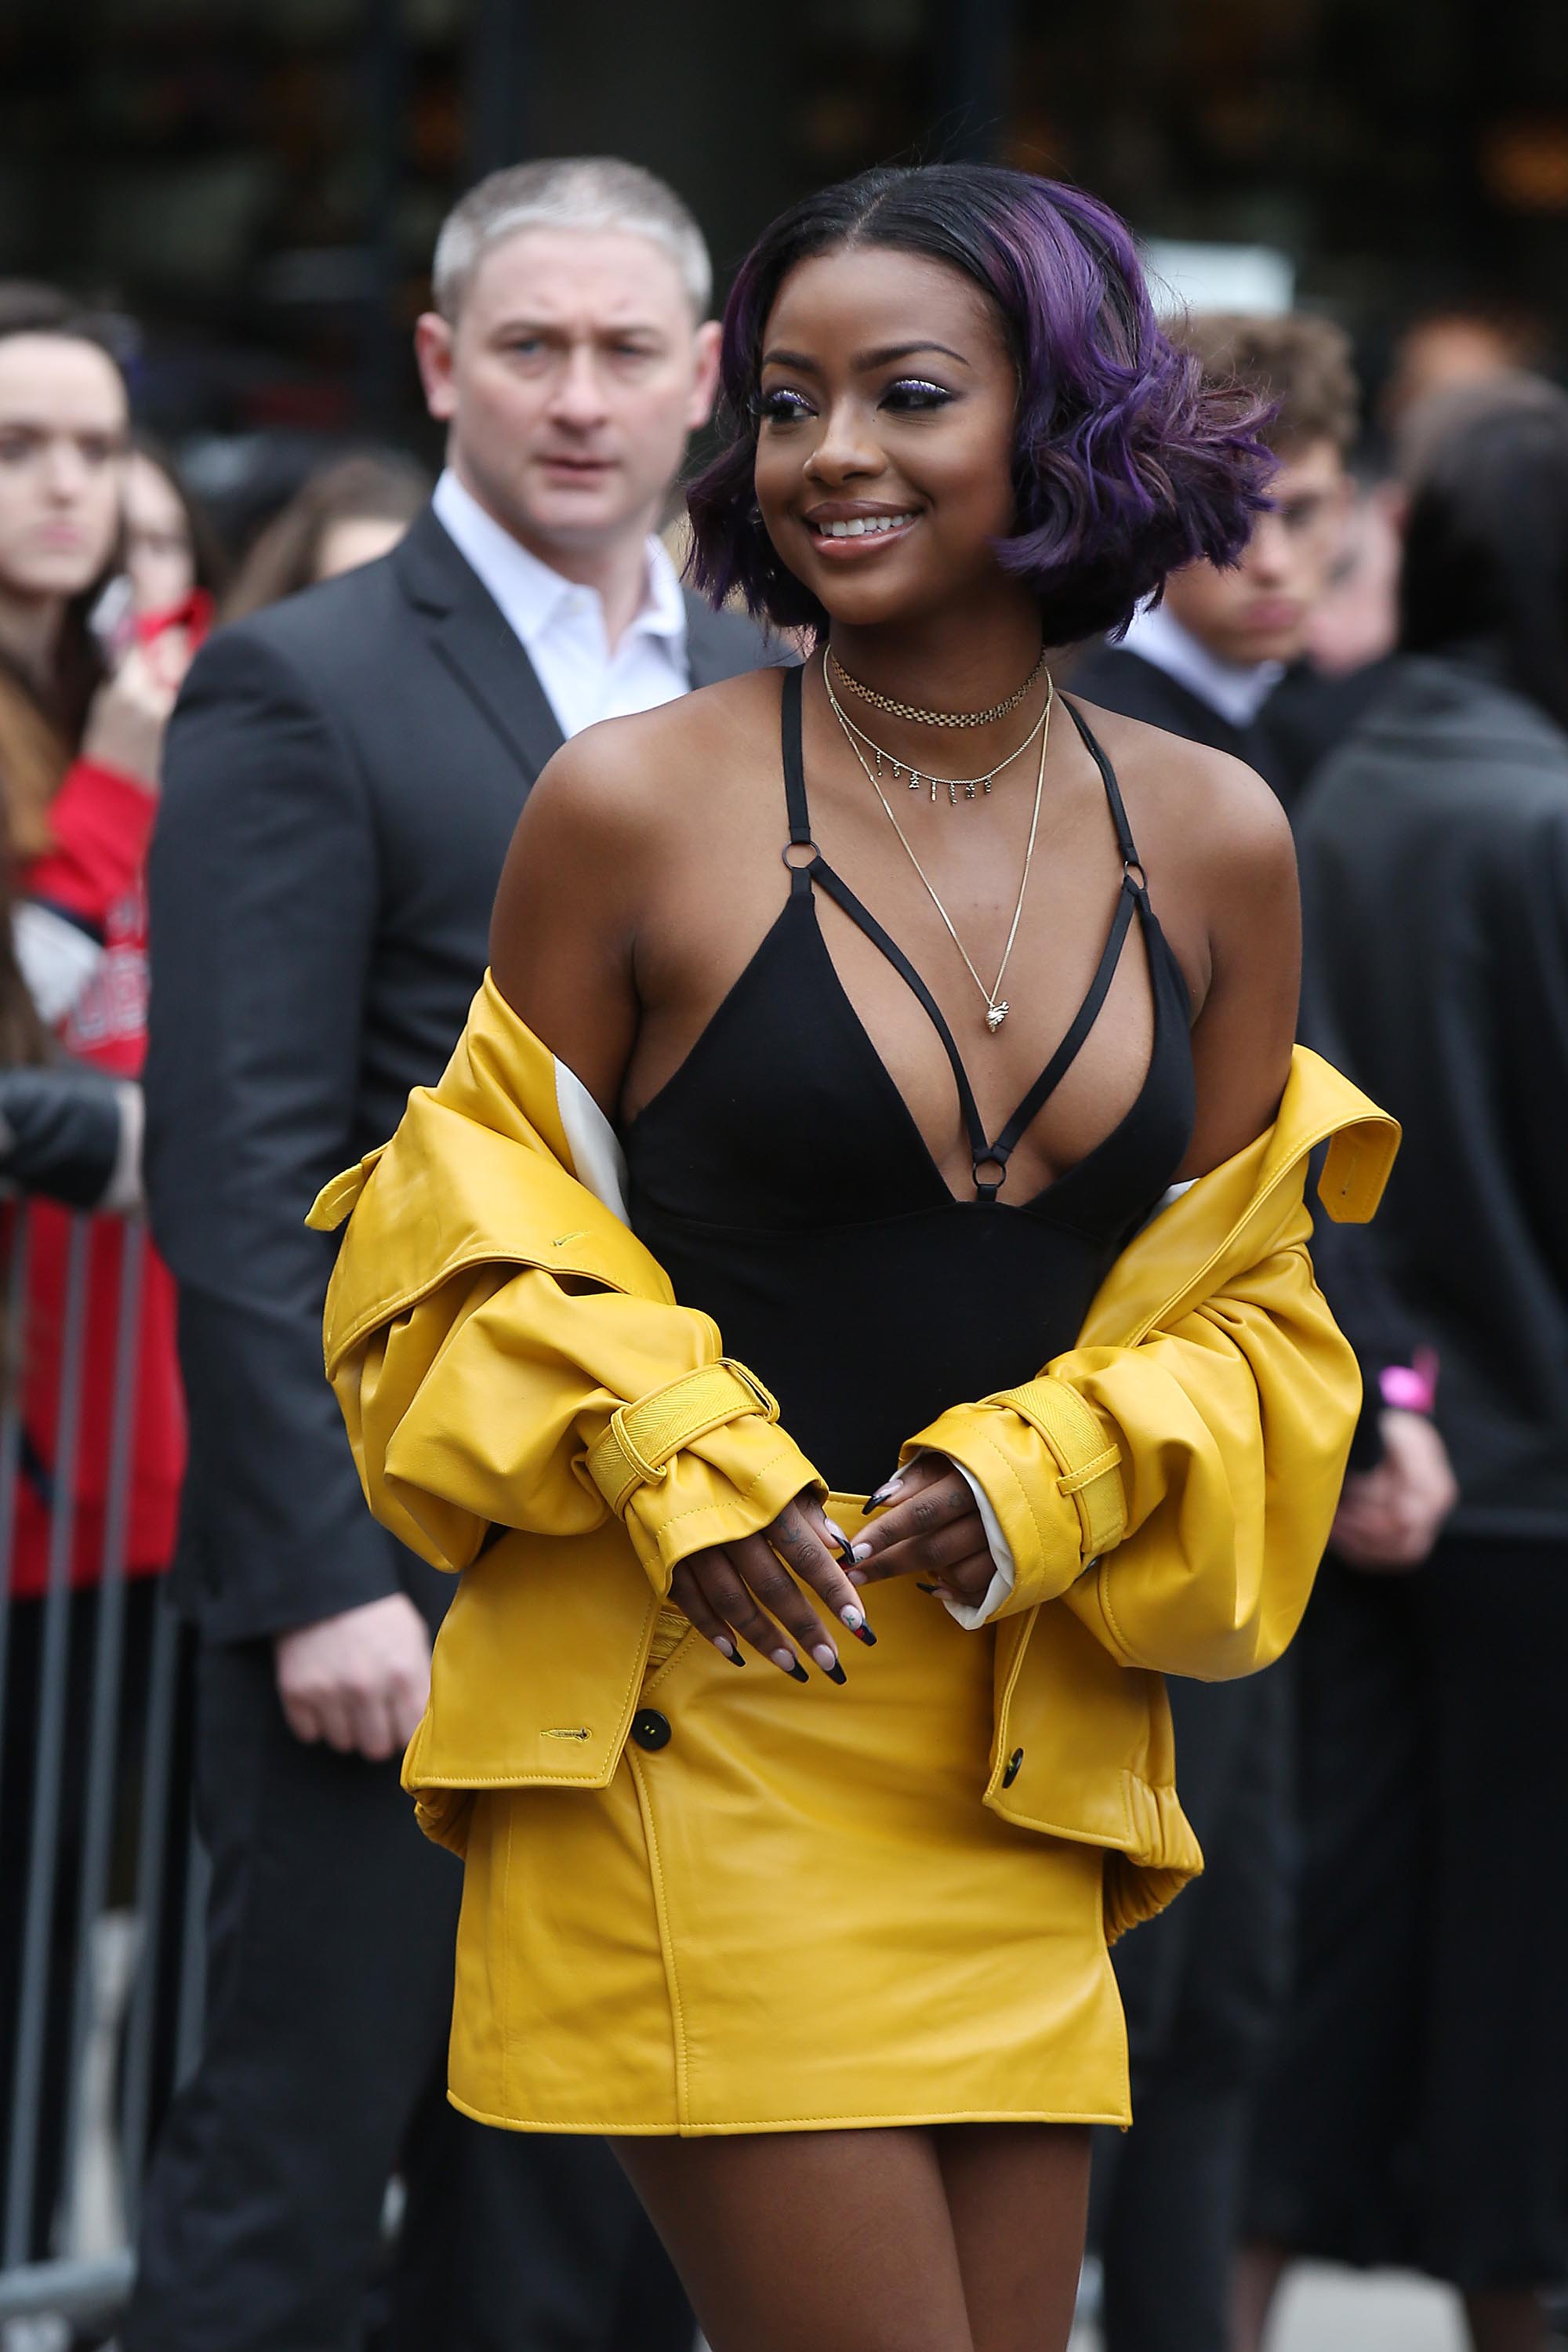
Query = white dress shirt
x=561 y=625
x=1236 y=690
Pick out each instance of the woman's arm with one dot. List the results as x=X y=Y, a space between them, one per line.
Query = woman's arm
x=1243 y=876
x=571 y=901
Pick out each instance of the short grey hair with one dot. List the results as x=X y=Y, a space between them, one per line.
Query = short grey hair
x=587 y=192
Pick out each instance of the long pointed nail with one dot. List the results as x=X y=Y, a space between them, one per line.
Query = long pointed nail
x=923 y=1587
x=828 y=1661
x=889 y=1488
x=856 y=1620
x=790 y=1664
x=837 y=1532
x=728 y=1650
x=857 y=1552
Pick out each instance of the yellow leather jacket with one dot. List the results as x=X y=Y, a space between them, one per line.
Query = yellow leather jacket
x=527 y=1403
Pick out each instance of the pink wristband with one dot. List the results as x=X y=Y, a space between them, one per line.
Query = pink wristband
x=1411 y=1387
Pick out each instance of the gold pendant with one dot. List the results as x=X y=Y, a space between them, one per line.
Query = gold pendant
x=995 y=1018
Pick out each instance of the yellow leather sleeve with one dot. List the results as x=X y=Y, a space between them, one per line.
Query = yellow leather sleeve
x=1179 y=1497
x=485 y=1403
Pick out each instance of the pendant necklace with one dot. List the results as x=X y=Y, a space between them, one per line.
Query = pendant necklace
x=952 y=785
x=997 y=1006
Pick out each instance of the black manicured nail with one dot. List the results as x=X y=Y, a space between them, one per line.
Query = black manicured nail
x=798 y=1673
x=864 y=1633
x=835 y=1672
x=923 y=1587
x=734 y=1657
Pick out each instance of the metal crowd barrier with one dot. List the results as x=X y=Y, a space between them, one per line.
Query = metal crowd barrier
x=101 y=1881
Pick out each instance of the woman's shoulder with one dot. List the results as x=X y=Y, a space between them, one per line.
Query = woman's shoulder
x=1188 y=802
x=624 y=774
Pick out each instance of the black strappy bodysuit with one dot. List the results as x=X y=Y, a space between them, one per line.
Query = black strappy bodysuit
x=781 y=1180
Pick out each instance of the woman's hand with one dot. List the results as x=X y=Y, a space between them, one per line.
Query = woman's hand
x=743 y=1592
x=130 y=710
x=932 y=1529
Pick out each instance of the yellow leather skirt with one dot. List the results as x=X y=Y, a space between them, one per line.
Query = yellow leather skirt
x=788 y=1911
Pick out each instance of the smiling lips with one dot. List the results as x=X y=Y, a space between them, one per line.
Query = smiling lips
x=845 y=534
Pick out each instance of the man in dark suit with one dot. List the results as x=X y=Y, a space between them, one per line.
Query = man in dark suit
x=341 y=781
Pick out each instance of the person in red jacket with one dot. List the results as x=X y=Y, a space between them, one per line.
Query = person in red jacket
x=79 y=768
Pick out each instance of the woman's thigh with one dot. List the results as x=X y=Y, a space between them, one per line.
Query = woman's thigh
x=947 y=2239
x=1018 y=2198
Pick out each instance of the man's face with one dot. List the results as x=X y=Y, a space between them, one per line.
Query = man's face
x=570 y=383
x=1261 y=610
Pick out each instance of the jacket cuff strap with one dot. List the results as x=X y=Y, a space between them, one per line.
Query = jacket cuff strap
x=1089 y=1462
x=643 y=1438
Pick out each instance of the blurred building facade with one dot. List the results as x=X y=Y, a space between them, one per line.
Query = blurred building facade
x=259 y=182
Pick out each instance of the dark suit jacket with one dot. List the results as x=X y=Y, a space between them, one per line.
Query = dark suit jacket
x=1123 y=681
x=341 y=780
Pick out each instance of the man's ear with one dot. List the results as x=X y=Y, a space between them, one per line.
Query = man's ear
x=433 y=350
x=705 y=375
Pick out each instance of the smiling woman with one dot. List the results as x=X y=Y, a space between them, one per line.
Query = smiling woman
x=853 y=1922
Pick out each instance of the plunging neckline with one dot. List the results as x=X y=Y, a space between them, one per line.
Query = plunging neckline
x=814 y=873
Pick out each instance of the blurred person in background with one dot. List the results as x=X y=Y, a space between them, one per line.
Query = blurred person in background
x=80 y=733
x=1417 y=2110
x=1355 y=626
x=345 y=514
x=1209 y=659
x=1456 y=345
x=345 y=775
x=80 y=742
x=1204 y=1984
x=174 y=565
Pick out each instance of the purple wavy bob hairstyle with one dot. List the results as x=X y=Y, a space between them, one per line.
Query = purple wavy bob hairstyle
x=1125 y=466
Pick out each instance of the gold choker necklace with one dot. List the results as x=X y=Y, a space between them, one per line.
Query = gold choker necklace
x=934 y=718
x=952 y=785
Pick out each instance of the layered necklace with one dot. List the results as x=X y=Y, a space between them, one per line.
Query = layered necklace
x=997 y=1006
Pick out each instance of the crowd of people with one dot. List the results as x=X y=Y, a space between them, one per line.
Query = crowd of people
x=256 y=815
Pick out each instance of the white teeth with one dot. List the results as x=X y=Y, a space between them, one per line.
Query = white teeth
x=858 y=525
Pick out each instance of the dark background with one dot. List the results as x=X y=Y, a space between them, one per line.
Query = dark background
x=257 y=183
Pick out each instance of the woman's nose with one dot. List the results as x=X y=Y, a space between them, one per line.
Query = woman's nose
x=845 y=447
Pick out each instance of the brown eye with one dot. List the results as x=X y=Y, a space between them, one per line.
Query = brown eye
x=782 y=407
x=914 y=392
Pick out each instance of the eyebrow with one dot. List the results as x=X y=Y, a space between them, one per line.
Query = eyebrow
x=864 y=362
x=525 y=326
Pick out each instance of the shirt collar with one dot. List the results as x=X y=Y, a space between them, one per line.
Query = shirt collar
x=530 y=594
x=1238 y=692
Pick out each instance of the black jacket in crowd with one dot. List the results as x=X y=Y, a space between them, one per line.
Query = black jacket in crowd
x=341 y=779
x=1434 y=873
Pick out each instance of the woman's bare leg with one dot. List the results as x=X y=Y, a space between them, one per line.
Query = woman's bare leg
x=1508 y=2320
x=850 y=2241
x=1259 y=2268
x=1018 y=2195
x=807 y=2242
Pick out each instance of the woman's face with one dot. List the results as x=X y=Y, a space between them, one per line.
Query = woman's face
x=887 y=399
x=160 y=560
x=62 y=464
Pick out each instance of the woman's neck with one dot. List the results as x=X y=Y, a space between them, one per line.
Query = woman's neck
x=958 y=664
x=29 y=634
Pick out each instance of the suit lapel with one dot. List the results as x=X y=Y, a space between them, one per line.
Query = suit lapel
x=470 y=635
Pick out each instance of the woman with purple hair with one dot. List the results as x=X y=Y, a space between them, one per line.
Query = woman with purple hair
x=993 y=1183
